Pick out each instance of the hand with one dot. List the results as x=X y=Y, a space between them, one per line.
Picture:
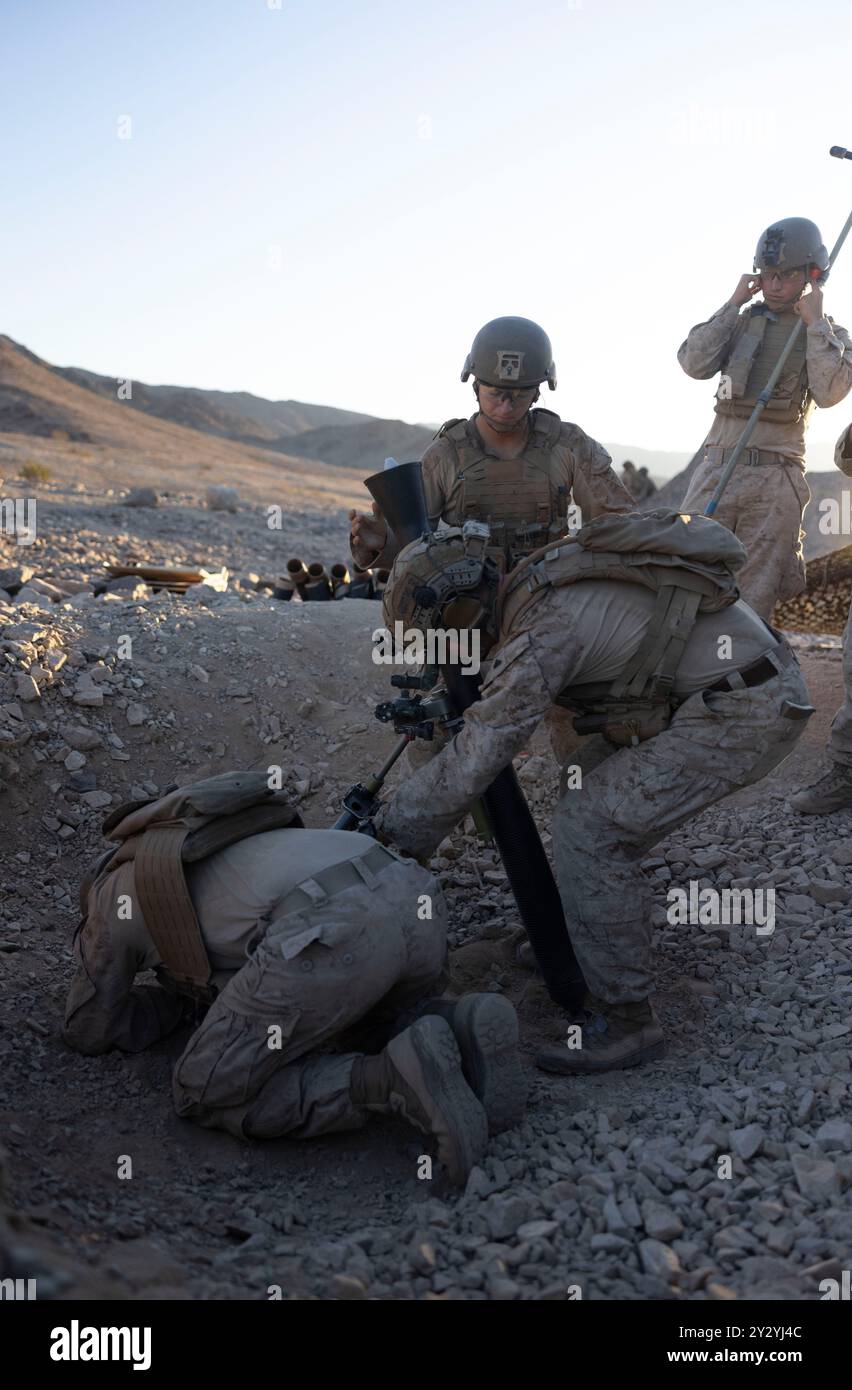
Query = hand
x=809 y=307
x=746 y=289
x=367 y=536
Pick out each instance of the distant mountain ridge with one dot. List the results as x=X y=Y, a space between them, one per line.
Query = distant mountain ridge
x=39 y=399
x=233 y=414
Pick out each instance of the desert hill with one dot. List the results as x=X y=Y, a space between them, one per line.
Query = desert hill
x=70 y=404
x=233 y=414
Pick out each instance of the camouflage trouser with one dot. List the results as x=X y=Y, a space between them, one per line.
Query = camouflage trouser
x=314 y=974
x=633 y=797
x=840 y=740
x=763 y=505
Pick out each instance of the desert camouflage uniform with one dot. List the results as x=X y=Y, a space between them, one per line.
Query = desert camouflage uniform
x=282 y=958
x=840 y=739
x=576 y=466
x=764 y=502
x=716 y=742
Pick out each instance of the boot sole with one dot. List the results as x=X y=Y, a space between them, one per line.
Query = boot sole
x=486 y=1030
x=584 y=1068
x=433 y=1069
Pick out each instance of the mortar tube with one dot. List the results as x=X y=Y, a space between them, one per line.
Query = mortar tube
x=318 y=586
x=297 y=574
x=339 y=575
x=527 y=867
x=361 y=585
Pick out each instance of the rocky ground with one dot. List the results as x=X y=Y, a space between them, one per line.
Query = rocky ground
x=610 y=1187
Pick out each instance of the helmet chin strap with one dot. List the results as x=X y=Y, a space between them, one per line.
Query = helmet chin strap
x=500 y=426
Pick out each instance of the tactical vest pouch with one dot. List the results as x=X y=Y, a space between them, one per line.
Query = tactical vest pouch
x=751 y=363
x=520 y=499
x=741 y=360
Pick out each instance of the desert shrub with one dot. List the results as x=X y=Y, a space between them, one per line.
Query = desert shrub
x=34 y=472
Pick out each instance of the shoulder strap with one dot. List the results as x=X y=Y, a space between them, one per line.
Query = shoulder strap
x=454 y=429
x=222 y=831
x=166 y=905
x=650 y=675
x=546 y=429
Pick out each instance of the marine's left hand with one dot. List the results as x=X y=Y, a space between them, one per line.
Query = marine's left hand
x=809 y=307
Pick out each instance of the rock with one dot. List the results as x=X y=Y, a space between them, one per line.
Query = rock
x=660 y=1223
x=82 y=781
x=504 y=1215
x=43 y=586
x=609 y=1243
x=97 y=800
x=817 y=1178
x=839 y=853
x=798 y=902
x=26 y=688
x=503 y=1290
x=536 y=1230
x=709 y=859
x=615 y=1222
x=825 y=1269
x=748 y=1141
x=75 y=761
x=478 y=1184
x=659 y=1259
x=82 y=739
x=128 y=585
x=136 y=714
x=835 y=1134
x=141 y=497
x=825 y=892
x=88 y=697
x=346 y=1286
x=222 y=499
x=14 y=576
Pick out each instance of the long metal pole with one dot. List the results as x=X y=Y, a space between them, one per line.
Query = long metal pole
x=766 y=394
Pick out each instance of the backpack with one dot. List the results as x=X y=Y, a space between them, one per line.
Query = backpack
x=182 y=826
x=689 y=562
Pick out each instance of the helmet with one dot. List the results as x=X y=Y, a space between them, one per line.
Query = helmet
x=511 y=352
x=792 y=241
x=445 y=580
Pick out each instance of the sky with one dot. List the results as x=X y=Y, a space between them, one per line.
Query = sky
x=324 y=201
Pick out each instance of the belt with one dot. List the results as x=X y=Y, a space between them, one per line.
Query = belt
x=717 y=454
x=757 y=672
x=336 y=878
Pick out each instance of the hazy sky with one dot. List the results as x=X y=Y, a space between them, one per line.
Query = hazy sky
x=325 y=200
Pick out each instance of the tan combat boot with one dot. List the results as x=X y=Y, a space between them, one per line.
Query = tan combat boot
x=833 y=792
x=485 y=1027
x=418 y=1076
x=612 y=1036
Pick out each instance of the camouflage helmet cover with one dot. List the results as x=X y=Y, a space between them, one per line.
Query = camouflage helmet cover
x=511 y=352
x=791 y=242
x=445 y=579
